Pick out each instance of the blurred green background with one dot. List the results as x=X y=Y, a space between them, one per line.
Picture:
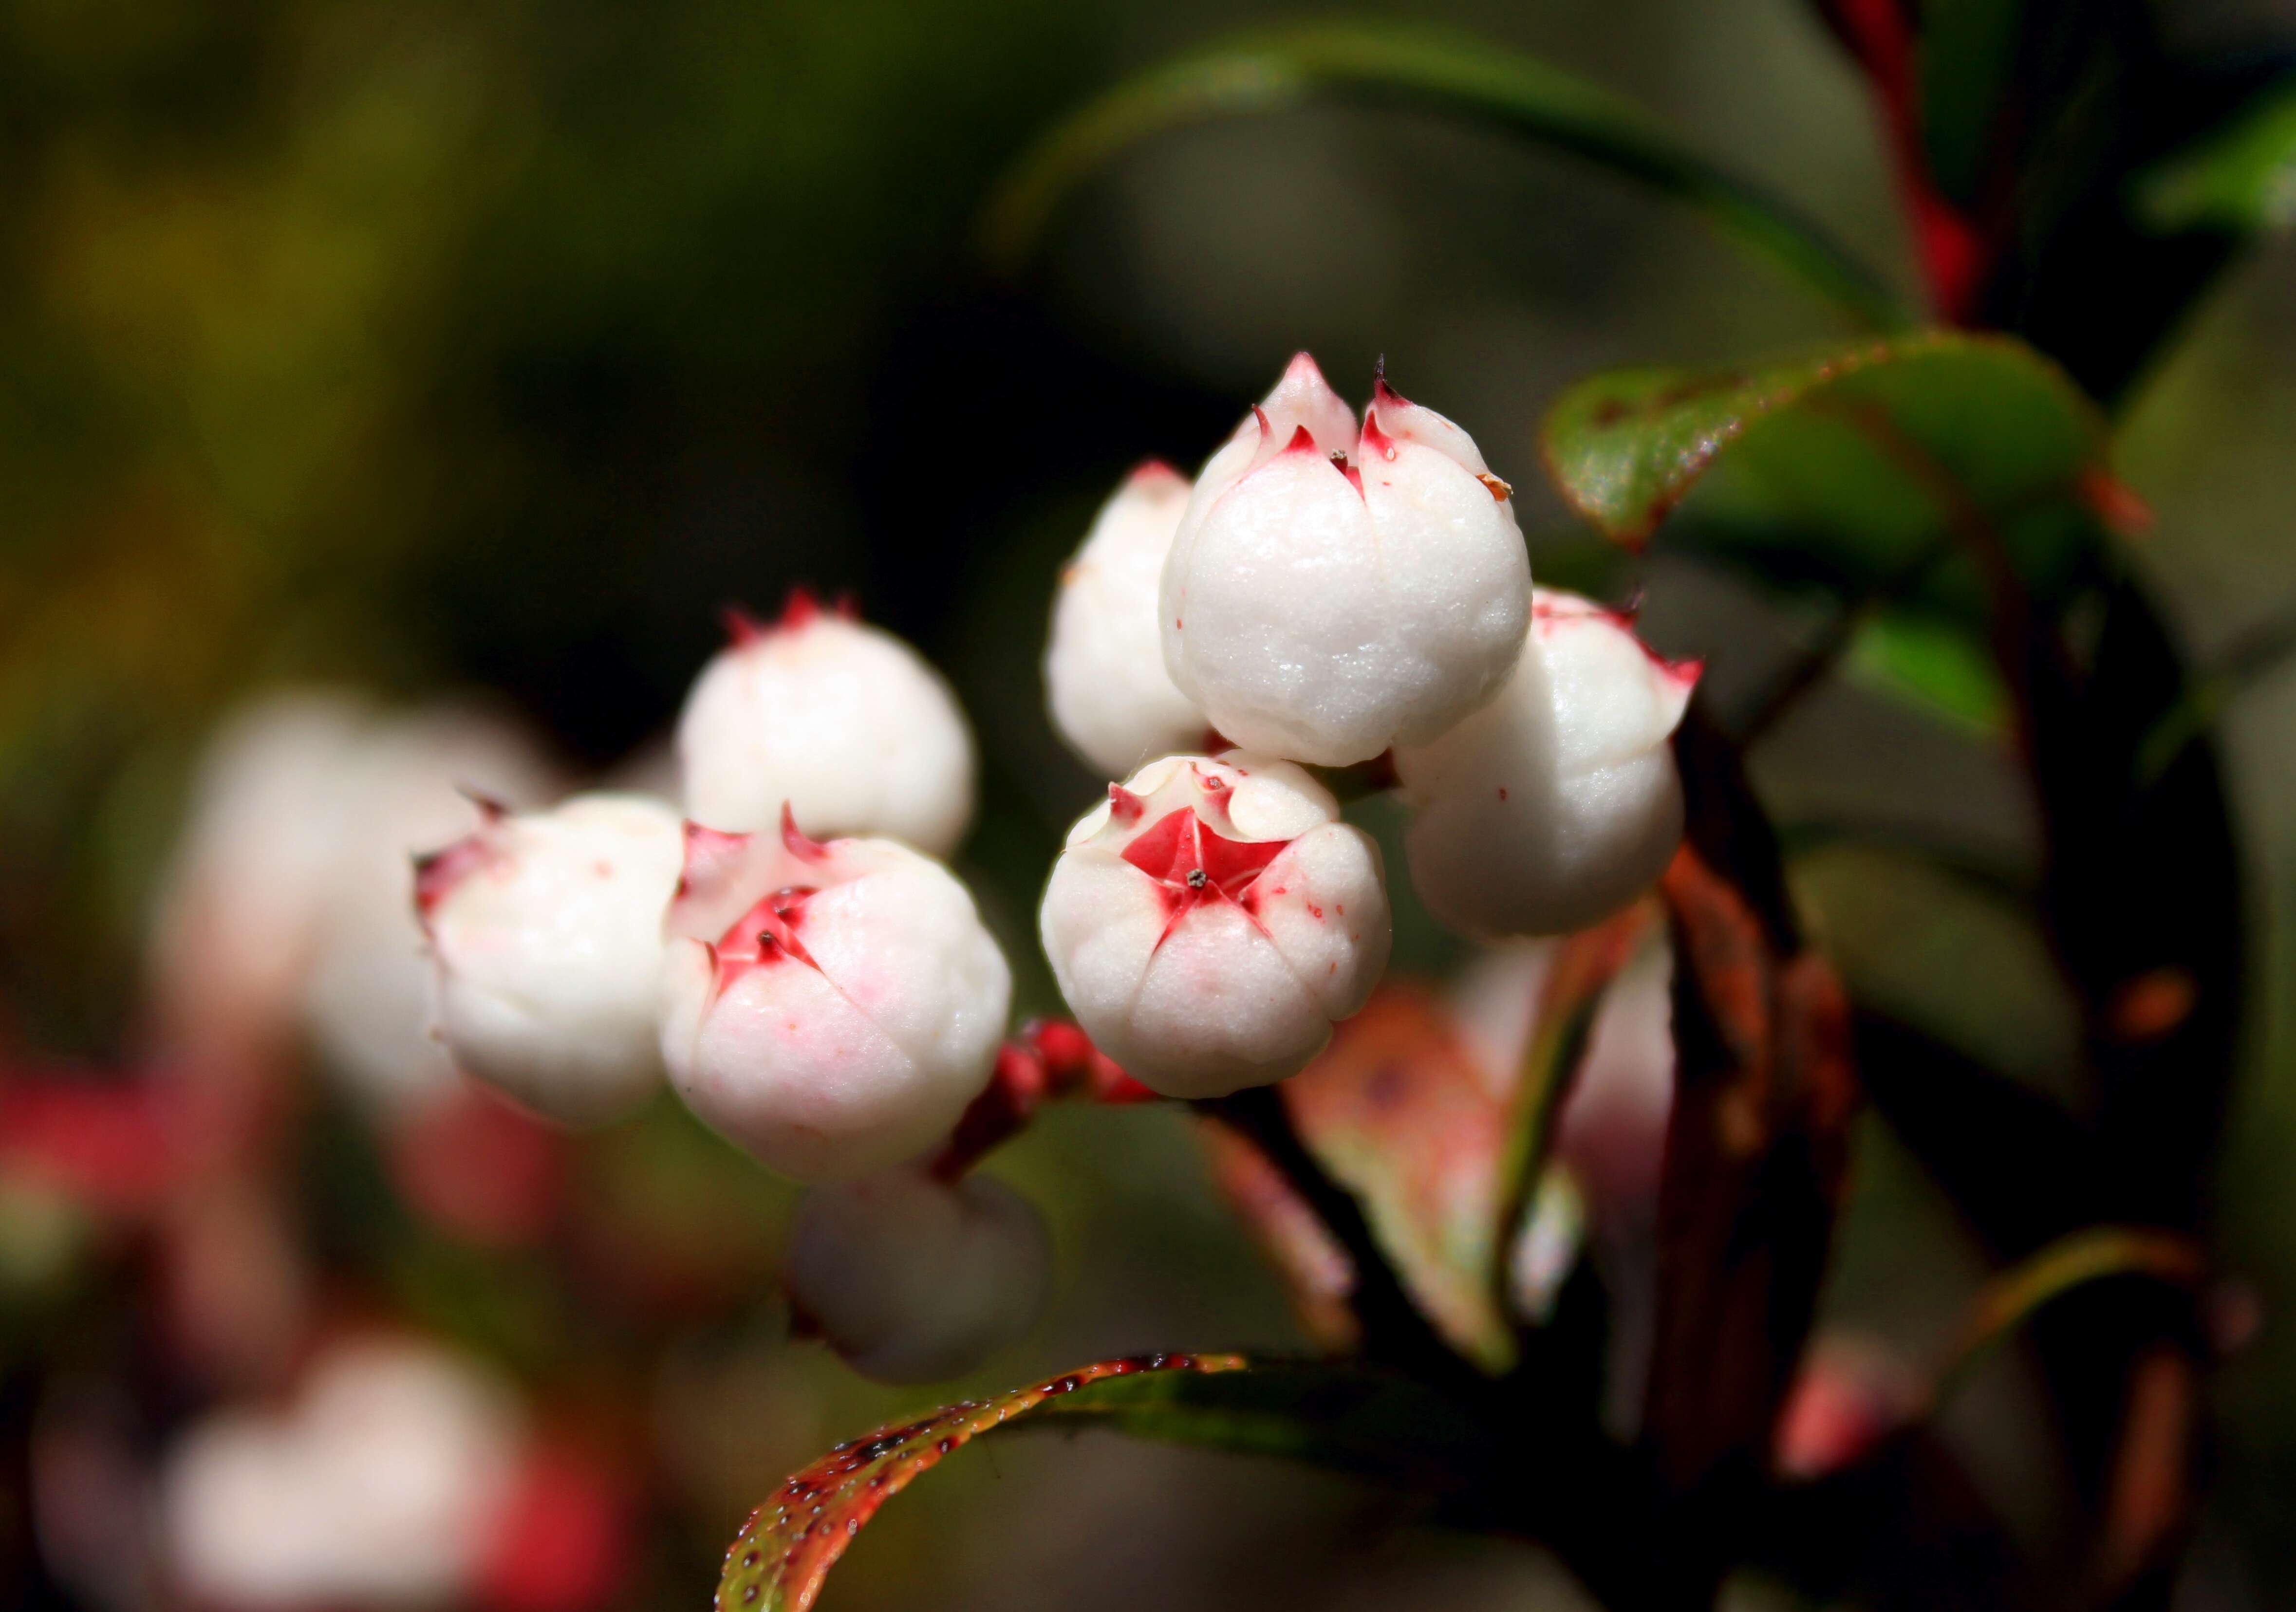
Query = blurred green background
x=429 y=347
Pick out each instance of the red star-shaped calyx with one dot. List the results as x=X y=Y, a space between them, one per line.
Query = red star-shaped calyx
x=1194 y=861
x=767 y=933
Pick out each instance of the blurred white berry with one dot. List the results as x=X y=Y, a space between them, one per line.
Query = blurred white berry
x=1332 y=592
x=1212 y=920
x=403 y=790
x=830 y=1008
x=841 y=722
x=912 y=1279
x=237 y=921
x=382 y=1486
x=546 y=932
x=1112 y=698
x=1558 y=803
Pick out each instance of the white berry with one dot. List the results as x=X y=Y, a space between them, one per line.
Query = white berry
x=1104 y=678
x=912 y=1279
x=383 y=1486
x=1332 y=592
x=842 y=723
x=829 y=1008
x=1558 y=803
x=545 y=931
x=1212 y=920
x=366 y=999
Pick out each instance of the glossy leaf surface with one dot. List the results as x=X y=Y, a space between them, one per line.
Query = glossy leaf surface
x=1864 y=467
x=1381 y=1426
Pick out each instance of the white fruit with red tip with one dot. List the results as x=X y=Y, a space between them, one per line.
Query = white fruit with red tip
x=383 y=1485
x=842 y=723
x=912 y=1279
x=1558 y=803
x=405 y=790
x=1212 y=920
x=1335 y=591
x=237 y=922
x=1104 y=678
x=829 y=1008
x=546 y=932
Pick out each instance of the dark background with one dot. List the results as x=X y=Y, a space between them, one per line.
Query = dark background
x=429 y=347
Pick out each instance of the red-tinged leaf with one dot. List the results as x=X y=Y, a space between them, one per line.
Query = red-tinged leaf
x=778 y=1561
x=1755 y=1153
x=1866 y=468
x=1402 y=1115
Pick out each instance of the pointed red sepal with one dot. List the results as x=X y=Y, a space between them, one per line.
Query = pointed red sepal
x=492 y=808
x=1149 y=473
x=1166 y=846
x=1214 y=788
x=802 y=607
x=1267 y=428
x=1380 y=392
x=741 y=628
x=1194 y=861
x=1685 y=674
x=794 y=839
x=436 y=873
x=1123 y=805
x=1303 y=441
x=1372 y=439
x=764 y=935
x=708 y=854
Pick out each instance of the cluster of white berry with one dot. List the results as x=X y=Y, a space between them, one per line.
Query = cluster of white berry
x=1332 y=593
x=831 y=1006
x=782 y=946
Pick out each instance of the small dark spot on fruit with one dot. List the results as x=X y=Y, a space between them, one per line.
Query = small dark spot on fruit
x=1502 y=791
x=1197 y=879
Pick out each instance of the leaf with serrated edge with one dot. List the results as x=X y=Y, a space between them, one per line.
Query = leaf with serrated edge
x=783 y=1553
x=1333 y=1414
x=1849 y=466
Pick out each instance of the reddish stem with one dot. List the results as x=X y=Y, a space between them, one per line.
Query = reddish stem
x=1051 y=1059
x=1954 y=252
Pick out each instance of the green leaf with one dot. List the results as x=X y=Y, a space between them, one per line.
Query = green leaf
x=2240 y=177
x=1526 y=98
x=1378 y=1425
x=1930 y=665
x=1853 y=468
